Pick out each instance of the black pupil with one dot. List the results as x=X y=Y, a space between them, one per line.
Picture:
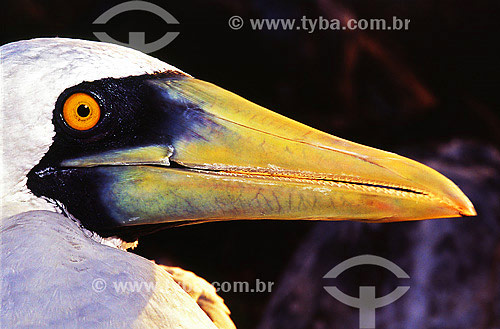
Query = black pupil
x=83 y=110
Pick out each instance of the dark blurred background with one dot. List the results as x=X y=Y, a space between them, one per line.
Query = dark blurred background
x=430 y=93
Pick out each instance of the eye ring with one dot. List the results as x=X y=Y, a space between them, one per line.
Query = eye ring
x=81 y=111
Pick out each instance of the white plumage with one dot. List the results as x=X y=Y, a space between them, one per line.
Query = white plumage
x=49 y=262
x=53 y=277
x=34 y=73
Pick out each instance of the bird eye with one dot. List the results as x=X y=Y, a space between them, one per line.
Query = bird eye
x=81 y=111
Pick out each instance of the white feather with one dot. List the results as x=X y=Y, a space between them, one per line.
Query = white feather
x=34 y=73
x=49 y=281
x=47 y=261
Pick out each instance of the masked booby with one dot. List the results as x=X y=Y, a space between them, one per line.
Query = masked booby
x=102 y=144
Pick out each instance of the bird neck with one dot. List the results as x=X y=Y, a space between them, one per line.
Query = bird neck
x=23 y=143
x=16 y=198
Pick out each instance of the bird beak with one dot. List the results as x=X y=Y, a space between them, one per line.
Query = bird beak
x=221 y=157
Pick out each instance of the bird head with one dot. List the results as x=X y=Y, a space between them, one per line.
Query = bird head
x=126 y=143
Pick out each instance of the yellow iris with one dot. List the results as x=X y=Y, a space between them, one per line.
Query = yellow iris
x=81 y=111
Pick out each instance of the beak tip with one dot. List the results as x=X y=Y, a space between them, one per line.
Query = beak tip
x=468 y=212
x=466 y=208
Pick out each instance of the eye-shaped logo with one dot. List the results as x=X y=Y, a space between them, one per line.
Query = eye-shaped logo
x=137 y=40
x=367 y=302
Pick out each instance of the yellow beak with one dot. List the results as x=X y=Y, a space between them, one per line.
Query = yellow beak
x=228 y=159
